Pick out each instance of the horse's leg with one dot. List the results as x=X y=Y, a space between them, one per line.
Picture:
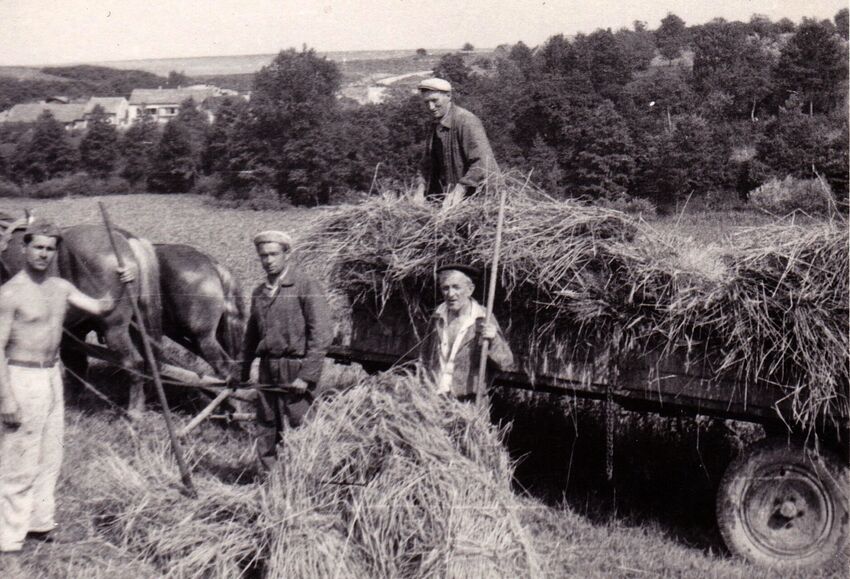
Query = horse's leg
x=118 y=340
x=76 y=365
x=214 y=355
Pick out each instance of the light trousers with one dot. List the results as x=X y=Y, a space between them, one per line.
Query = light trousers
x=31 y=455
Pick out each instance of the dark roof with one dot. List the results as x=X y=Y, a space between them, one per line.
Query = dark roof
x=111 y=105
x=29 y=112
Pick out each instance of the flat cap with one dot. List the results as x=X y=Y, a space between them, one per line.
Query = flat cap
x=473 y=273
x=436 y=84
x=273 y=236
x=43 y=227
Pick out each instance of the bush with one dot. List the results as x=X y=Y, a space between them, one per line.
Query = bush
x=76 y=185
x=209 y=185
x=109 y=186
x=70 y=186
x=258 y=198
x=9 y=189
x=810 y=196
x=628 y=204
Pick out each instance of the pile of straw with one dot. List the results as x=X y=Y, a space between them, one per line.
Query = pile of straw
x=582 y=283
x=386 y=480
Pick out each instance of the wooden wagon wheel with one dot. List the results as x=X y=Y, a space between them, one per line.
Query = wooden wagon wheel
x=782 y=505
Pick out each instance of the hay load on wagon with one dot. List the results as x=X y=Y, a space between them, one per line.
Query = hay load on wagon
x=589 y=285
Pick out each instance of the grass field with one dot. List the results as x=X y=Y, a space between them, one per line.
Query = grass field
x=657 y=520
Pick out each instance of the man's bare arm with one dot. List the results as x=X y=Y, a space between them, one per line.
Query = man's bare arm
x=10 y=413
x=98 y=306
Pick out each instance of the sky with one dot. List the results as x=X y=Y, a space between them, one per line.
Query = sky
x=34 y=32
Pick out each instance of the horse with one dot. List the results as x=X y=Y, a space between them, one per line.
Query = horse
x=202 y=306
x=87 y=259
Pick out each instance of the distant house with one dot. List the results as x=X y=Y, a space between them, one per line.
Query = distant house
x=117 y=110
x=71 y=115
x=164 y=103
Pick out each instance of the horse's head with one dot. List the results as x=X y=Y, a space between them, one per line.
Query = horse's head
x=11 y=244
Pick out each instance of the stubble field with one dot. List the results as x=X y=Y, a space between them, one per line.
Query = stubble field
x=656 y=521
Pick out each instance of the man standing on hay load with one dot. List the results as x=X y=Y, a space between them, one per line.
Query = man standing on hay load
x=33 y=305
x=289 y=329
x=458 y=157
x=451 y=350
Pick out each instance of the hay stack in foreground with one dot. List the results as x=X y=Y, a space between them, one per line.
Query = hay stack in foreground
x=387 y=480
x=581 y=282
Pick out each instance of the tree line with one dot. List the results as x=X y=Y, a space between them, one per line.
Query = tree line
x=711 y=110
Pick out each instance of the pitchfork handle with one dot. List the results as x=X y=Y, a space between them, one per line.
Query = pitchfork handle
x=157 y=380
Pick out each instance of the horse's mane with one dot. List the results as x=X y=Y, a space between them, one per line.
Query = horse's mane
x=150 y=300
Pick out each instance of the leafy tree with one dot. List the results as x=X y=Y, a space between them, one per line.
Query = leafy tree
x=220 y=134
x=99 y=147
x=453 y=68
x=598 y=154
x=762 y=26
x=671 y=36
x=293 y=98
x=727 y=60
x=407 y=125
x=813 y=64
x=800 y=145
x=197 y=125
x=842 y=23
x=173 y=168
x=785 y=26
x=543 y=160
x=46 y=155
x=683 y=161
x=467 y=47
x=421 y=52
x=556 y=56
x=178 y=79
x=545 y=106
x=522 y=56
x=650 y=101
x=600 y=57
x=637 y=46
x=137 y=147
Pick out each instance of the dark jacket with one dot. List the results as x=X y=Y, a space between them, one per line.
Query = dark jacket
x=294 y=323
x=468 y=356
x=467 y=156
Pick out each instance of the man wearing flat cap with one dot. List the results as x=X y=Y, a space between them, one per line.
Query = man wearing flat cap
x=289 y=330
x=33 y=304
x=458 y=157
x=451 y=351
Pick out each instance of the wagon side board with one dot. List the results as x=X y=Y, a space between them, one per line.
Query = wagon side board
x=640 y=388
x=671 y=383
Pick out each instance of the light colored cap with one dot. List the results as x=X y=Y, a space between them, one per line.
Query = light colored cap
x=436 y=84
x=273 y=236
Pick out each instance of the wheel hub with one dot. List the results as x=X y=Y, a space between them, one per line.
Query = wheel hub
x=787 y=512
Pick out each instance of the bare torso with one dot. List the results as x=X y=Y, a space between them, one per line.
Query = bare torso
x=39 y=312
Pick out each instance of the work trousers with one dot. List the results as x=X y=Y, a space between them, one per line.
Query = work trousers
x=277 y=411
x=31 y=455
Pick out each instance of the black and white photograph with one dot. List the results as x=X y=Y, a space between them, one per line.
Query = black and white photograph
x=387 y=289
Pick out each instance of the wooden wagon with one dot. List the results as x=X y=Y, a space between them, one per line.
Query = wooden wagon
x=783 y=502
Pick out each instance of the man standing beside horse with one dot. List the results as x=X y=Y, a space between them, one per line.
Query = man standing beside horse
x=33 y=305
x=289 y=329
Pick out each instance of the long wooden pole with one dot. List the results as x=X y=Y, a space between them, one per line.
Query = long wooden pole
x=480 y=384
x=157 y=380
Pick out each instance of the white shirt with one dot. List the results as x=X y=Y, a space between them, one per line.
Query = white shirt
x=449 y=348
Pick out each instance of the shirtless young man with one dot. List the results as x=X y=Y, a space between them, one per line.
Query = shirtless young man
x=32 y=310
